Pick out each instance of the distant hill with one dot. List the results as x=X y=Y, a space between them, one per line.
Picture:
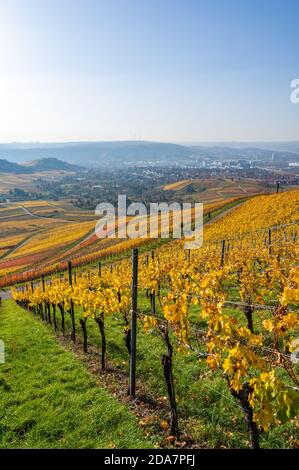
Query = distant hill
x=45 y=164
x=49 y=164
x=290 y=147
x=93 y=153
x=134 y=152
x=248 y=153
x=8 y=167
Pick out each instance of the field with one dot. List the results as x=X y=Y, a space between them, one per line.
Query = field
x=219 y=318
x=211 y=191
x=35 y=231
x=28 y=182
x=176 y=186
x=62 y=209
x=8 y=243
x=39 y=235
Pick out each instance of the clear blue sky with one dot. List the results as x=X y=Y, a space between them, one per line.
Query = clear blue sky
x=168 y=70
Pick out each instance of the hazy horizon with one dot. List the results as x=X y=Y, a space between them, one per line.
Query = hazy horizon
x=199 y=142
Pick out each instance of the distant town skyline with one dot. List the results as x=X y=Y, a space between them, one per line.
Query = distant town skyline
x=195 y=71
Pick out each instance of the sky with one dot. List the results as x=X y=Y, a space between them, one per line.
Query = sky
x=160 y=70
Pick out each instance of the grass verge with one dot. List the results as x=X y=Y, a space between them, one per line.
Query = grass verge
x=47 y=397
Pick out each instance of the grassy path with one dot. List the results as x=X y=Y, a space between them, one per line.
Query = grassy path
x=49 y=400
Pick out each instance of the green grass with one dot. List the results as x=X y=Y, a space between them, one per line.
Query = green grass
x=47 y=397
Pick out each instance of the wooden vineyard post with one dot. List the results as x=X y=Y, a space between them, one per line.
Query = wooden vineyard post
x=222 y=252
x=270 y=241
x=132 y=385
x=72 y=313
x=48 y=309
x=146 y=264
x=100 y=269
x=43 y=308
x=153 y=302
x=153 y=294
x=277 y=187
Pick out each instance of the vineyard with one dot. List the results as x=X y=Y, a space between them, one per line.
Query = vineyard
x=216 y=339
x=213 y=191
x=47 y=243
